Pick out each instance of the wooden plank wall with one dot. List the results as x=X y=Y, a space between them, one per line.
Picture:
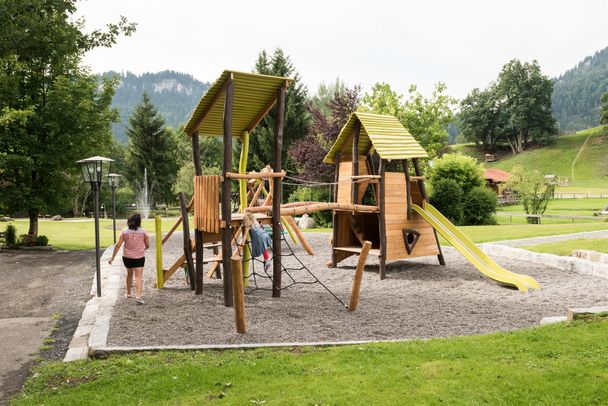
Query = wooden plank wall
x=344 y=184
x=396 y=220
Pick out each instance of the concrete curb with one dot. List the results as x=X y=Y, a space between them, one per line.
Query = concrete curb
x=572 y=264
x=94 y=325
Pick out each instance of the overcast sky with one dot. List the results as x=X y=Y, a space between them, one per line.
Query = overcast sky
x=463 y=43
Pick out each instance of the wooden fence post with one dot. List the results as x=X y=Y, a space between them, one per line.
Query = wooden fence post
x=354 y=296
x=238 y=294
x=158 y=245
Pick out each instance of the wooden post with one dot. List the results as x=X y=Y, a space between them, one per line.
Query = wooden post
x=226 y=194
x=354 y=296
x=277 y=197
x=187 y=242
x=158 y=245
x=198 y=234
x=424 y=196
x=334 y=243
x=382 y=218
x=355 y=160
x=238 y=294
x=408 y=191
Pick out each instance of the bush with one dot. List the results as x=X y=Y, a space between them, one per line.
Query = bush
x=27 y=240
x=42 y=241
x=447 y=198
x=479 y=206
x=462 y=169
x=309 y=194
x=11 y=235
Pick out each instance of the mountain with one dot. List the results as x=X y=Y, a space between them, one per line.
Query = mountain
x=174 y=94
x=576 y=93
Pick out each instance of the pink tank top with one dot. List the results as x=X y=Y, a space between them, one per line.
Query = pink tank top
x=134 y=243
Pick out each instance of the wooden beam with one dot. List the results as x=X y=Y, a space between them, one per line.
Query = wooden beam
x=334 y=238
x=408 y=192
x=205 y=112
x=256 y=175
x=177 y=223
x=418 y=172
x=299 y=234
x=187 y=242
x=262 y=113
x=198 y=234
x=238 y=294
x=356 y=290
x=226 y=195
x=355 y=159
x=382 y=219
x=277 y=197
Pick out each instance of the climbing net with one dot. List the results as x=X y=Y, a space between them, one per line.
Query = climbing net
x=258 y=272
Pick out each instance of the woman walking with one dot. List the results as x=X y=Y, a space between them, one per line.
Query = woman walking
x=136 y=241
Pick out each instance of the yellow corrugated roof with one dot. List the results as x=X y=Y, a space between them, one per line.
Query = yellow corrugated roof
x=385 y=133
x=254 y=94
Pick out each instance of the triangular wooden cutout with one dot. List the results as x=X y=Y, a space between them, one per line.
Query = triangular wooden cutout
x=410 y=238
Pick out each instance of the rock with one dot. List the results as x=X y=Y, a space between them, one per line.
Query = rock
x=57 y=218
x=306 y=222
x=587 y=312
x=552 y=320
x=5 y=219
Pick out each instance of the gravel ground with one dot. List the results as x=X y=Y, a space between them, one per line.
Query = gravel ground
x=418 y=299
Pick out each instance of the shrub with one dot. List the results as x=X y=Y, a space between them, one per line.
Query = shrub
x=27 y=240
x=479 y=206
x=11 y=235
x=462 y=169
x=447 y=198
x=306 y=194
x=42 y=241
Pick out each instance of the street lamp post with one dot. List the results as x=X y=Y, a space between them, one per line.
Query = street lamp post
x=95 y=170
x=114 y=179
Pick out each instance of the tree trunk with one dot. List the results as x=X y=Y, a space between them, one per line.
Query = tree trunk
x=520 y=142
x=33 y=231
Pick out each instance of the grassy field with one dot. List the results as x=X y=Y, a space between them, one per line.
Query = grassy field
x=590 y=169
x=556 y=364
x=70 y=235
x=565 y=248
x=564 y=207
x=80 y=235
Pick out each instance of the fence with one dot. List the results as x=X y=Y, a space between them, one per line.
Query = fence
x=555 y=216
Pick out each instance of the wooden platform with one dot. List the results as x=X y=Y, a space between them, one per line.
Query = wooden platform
x=357 y=250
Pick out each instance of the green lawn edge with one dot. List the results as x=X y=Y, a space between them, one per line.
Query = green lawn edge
x=564 y=363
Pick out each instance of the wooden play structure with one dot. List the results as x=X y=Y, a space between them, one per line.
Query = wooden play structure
x=395 y=231
x=380 y=208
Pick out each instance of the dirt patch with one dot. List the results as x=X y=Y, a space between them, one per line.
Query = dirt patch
x=50 y=288
x=418 y=299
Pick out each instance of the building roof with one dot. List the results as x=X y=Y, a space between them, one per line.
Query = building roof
x=254 y=95
x=496 y=175
x=382 y=132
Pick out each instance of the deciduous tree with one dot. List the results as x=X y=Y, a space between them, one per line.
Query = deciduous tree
x=52 y=111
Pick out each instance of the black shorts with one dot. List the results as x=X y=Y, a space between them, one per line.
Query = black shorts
x=134 y=262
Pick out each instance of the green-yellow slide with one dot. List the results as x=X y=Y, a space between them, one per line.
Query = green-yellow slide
x=471 y=252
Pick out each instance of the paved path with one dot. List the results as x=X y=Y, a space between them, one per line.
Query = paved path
x=36 y=288
x=552 y=238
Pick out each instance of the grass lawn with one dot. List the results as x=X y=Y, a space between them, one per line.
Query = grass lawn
x=565 y=248
x=566 y=207
x=556 y=364
x=590 y=169
x=76 y=235
x=70 y=235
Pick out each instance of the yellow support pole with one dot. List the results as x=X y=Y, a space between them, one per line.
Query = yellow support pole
x=160 y=280
x=243 y=201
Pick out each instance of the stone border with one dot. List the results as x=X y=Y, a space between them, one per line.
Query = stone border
x=94 y=325
x=577 y=265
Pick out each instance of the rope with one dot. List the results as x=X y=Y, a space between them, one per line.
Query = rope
x=312 y=183
x=254 y=275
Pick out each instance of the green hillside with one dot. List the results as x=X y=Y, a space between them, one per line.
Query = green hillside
x=590 y=168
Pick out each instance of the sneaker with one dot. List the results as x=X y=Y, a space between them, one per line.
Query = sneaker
x=267 y=265
x=139 y=301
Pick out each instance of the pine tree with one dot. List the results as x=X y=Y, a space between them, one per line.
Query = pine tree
x=151 y=147
x=297 y=119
